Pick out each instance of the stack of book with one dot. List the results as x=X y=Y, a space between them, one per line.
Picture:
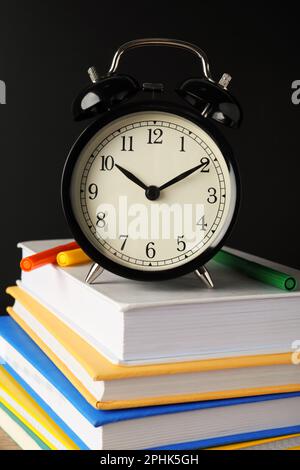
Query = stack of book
x=127 y=365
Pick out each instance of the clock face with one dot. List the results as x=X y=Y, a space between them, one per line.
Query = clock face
x=152 y=191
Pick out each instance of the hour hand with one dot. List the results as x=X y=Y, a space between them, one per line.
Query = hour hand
x=132 y=177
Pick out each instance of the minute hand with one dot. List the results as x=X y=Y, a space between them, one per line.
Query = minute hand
x=181 y=177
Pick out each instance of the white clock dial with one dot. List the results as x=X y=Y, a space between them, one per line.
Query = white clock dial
x=128 y=203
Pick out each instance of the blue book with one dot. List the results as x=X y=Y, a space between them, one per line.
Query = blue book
x=181 y=426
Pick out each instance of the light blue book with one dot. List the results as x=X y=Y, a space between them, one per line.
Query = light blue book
x=181 y=426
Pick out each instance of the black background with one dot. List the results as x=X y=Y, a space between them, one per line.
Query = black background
x=45 y=50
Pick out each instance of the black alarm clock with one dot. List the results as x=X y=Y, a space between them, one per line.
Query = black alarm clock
x=151 y=189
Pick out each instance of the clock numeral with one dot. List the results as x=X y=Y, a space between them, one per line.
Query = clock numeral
x=212 y=199
x=205 y=164
x=107 y=163
x=181 y=245
x=201 y=223
x=127 y=144
x=124 y=238
x=155 y=136
x=101 y=216
x=93 y=190
x=150 y=251
x=182 y=148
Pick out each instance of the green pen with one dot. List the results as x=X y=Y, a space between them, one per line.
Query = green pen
x=257 y=271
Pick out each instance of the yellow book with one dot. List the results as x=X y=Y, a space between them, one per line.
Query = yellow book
x=22 y=405
x=275 y=443
x=110 y=386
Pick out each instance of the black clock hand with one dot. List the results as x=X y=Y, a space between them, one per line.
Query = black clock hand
x=132 y=177
x=180 y=177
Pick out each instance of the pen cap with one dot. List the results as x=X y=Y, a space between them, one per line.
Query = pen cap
x=257 y=271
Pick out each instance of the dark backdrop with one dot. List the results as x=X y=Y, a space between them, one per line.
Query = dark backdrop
x=45 y=49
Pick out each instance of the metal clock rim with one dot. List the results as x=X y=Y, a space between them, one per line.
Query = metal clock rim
x=83 y=139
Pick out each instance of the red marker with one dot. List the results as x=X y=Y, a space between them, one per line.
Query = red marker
x=45 y=257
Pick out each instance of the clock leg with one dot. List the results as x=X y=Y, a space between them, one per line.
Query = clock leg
x=93 y=273
x=203 y=274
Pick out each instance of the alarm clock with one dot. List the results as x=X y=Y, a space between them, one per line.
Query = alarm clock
x=151 y=189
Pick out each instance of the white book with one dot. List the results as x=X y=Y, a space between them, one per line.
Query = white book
x=133 y=322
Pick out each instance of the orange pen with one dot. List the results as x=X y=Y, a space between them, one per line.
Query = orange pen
x=45 y=257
